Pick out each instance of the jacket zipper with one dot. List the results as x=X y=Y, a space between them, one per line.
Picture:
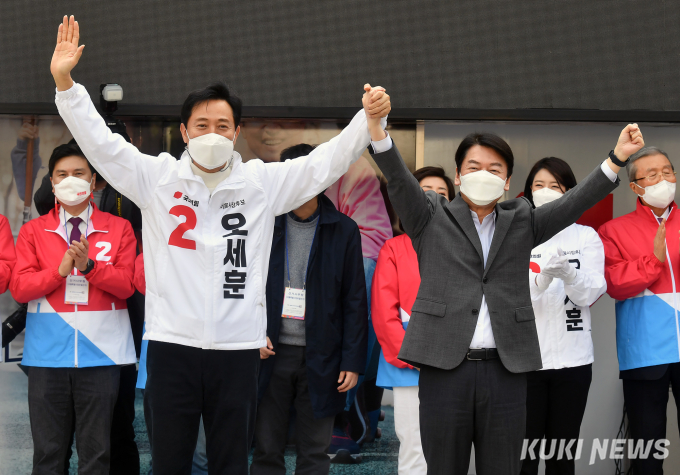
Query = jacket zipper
x=675 y=296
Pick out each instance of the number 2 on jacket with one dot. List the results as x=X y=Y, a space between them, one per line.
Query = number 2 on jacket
x=177 y=237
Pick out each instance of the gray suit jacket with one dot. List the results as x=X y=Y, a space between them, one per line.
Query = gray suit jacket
x=453 y=277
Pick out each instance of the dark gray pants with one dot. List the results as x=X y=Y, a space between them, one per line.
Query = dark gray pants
x=288 y=386
x=477 y=402
x=55 y=395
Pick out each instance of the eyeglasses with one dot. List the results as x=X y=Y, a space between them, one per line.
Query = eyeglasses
x=655 y=176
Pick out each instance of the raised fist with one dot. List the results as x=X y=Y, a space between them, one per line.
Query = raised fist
x=630 y=141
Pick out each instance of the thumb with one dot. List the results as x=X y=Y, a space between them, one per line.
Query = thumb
x=367 y=87
x=342 y=377
x=79 y=53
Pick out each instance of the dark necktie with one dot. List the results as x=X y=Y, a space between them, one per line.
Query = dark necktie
x=75 y=231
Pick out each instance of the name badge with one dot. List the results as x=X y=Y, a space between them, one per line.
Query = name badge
x=77 y=290
x=294 y=304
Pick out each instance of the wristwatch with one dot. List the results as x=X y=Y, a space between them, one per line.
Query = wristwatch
x=88 y=269
x=616 y=160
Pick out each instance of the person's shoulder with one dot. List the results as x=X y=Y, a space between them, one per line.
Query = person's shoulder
x=109 y=220
x=515 y=204
x=618 y=223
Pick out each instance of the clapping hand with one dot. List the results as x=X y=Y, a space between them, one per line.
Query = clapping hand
x=67 y=53
x=559 y=267
x=78 y=252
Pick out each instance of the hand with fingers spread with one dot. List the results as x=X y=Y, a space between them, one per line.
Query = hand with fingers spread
x=267 y=351
x=67 y=53
x=630 y=141
x=348 y=379
x=660 y=242
x=78 y=251
x=377 y=105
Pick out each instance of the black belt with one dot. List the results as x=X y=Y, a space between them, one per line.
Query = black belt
x=482 y=354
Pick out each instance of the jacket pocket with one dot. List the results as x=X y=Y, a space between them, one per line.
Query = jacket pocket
x=525 y=314
x=430 y=307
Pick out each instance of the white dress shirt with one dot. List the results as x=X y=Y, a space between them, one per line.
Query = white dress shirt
x=483 y=336
x=64 y=216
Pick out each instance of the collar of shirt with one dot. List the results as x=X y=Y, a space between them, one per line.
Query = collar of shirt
x=64 y=216
x=314 y=215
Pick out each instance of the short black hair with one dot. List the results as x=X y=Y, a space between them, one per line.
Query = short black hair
x=438 y=172
x=489 y=140
x=67 y=150
x=299 y=150
x=215 y=91
x=557 y=168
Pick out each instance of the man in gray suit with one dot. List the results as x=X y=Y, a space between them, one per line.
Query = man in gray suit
x=472 y=331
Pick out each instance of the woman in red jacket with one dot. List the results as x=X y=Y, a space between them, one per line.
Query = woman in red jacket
x=395 y=286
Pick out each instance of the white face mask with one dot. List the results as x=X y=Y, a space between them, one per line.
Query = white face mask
x=482 y=187
x=211 y=150
x=545 y=195
x=659 y=195
x=72 y=190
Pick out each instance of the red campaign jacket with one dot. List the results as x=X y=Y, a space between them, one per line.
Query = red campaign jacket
x=65 y=335
x=8 y=258
x=646 y=289
x=395 y=285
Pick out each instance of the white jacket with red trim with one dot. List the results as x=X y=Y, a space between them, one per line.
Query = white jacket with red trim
x=395 y=286
x=8 y=257
x=206 y=256
x=563 y=310
x=65 y=335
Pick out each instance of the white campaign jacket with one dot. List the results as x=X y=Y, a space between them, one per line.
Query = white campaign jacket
x=563 y=311
x=206 y=257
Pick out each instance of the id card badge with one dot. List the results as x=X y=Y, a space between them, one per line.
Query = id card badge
x=77 y=290
x=294 y=304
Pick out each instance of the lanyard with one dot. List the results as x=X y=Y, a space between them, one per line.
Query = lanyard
x=304 y=283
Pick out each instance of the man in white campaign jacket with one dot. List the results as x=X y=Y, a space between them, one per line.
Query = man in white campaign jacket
x=208 y=223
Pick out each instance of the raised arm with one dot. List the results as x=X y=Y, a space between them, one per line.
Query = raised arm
x=409 y=200
x=552 y=218
x=121 y=164
x=292 y=183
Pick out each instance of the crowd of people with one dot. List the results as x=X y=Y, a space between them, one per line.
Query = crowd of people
x=266 y=301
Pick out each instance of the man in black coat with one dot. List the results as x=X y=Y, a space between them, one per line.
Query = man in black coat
x=317 y=330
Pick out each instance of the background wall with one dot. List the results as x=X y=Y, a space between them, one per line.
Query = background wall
x=476 y=54
x=584 y=146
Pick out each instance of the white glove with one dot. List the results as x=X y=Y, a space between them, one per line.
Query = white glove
x=543 y=281
x=558 y=267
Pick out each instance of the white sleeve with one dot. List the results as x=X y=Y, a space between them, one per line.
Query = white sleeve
x=536 y=292
x=120 y=163
x=590 y=283
x=608 y=171
x=290 y=184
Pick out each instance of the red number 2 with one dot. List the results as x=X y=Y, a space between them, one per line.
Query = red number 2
x=177 y=236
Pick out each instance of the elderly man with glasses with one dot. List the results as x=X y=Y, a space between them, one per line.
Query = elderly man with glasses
x=642 y=269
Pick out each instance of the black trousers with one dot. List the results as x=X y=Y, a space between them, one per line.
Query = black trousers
x=124 y=452
x=646 y=403
x=477 y=402
x=556 y=401
x=55 y=395
x=289 y=386
x=184 y=383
